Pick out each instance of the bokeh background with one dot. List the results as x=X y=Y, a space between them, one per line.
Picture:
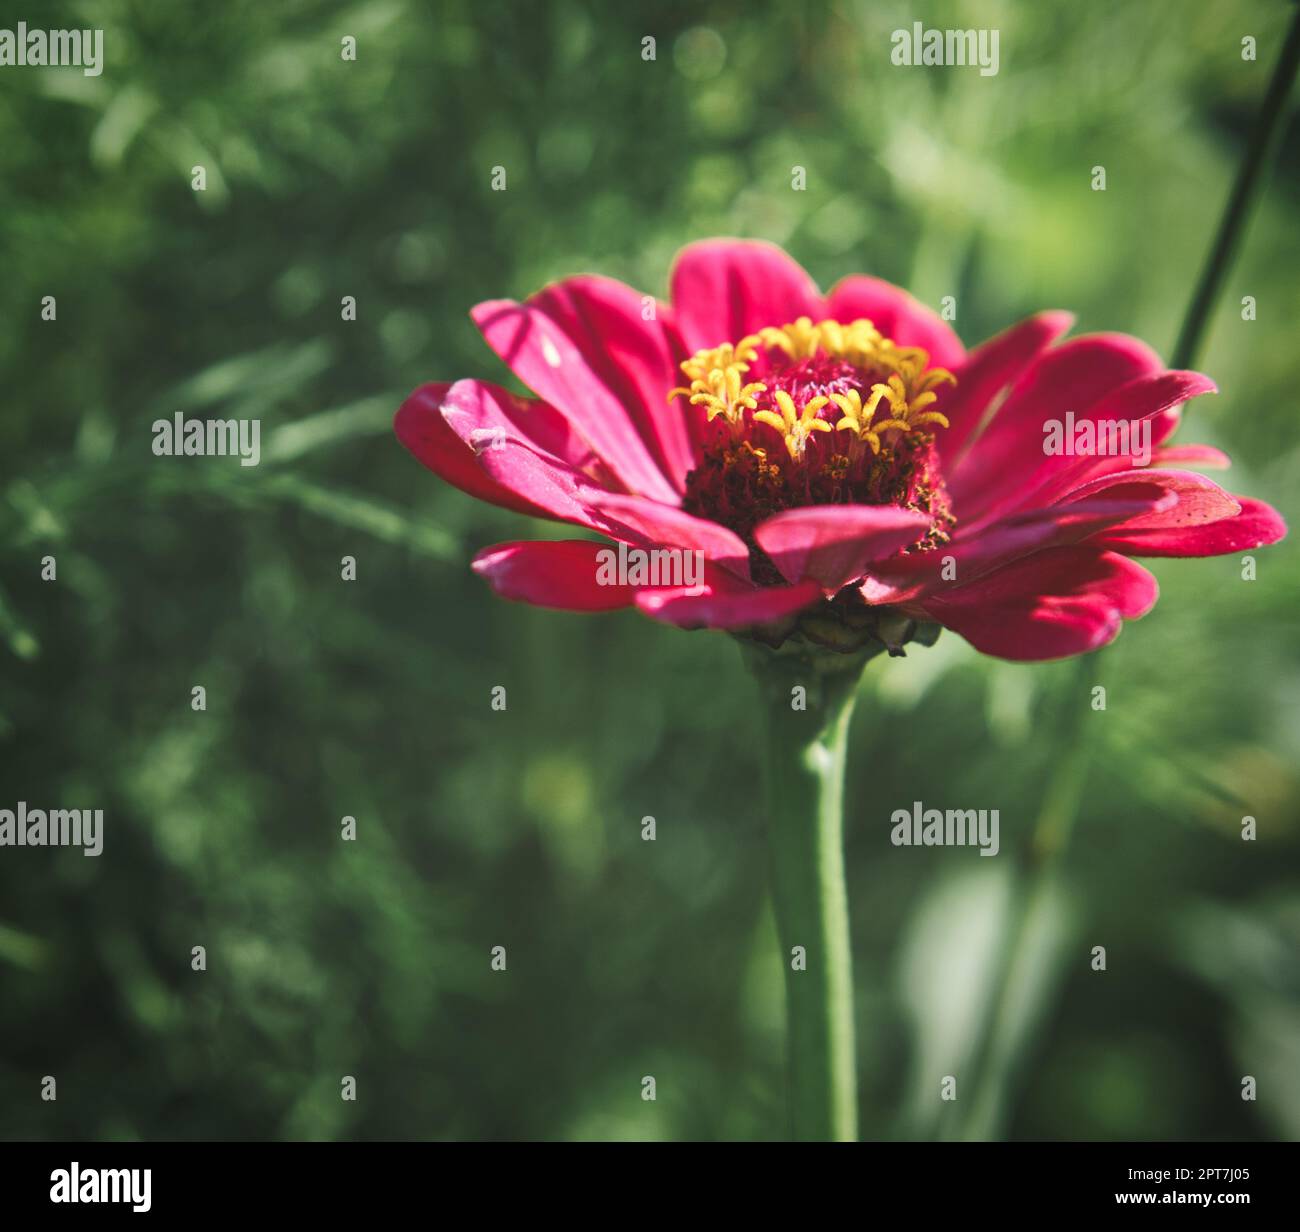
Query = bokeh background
x=371 y=699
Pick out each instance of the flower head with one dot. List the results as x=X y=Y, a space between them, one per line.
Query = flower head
x=843 y=465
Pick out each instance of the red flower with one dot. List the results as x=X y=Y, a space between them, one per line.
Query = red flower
x=840 y=462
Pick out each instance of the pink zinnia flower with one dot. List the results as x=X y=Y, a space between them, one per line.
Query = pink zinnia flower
x=844 y=466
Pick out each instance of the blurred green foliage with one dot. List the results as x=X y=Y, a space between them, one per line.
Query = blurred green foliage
x=371 y=699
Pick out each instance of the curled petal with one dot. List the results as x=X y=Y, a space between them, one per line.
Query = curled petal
x=508 y=451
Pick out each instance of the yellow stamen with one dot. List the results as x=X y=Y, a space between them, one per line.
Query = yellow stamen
x=794 y=425
x=857 y=418
x=715 y=377
x=715 y=382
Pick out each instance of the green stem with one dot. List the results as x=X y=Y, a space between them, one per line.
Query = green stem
x=1250 y=178
x=804 y=757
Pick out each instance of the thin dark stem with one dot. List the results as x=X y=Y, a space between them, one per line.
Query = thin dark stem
x=1250 y=178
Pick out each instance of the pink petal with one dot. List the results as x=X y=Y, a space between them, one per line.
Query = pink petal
x=654 y=523
x=635 y=358
x=496 y=430
x=1200 y=499
x=552 y=573
x=833 y=544
x=725 y=289
x=1072 y=377
x=554 y=343
x=723 y=604
x=1255 y=526
x=1061 y=602
x=1165 y=424
x=1146 y=398
x=966 y=559
x=897 y=315
x=420 y=426
x=987 y=371
x=1192 y=455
